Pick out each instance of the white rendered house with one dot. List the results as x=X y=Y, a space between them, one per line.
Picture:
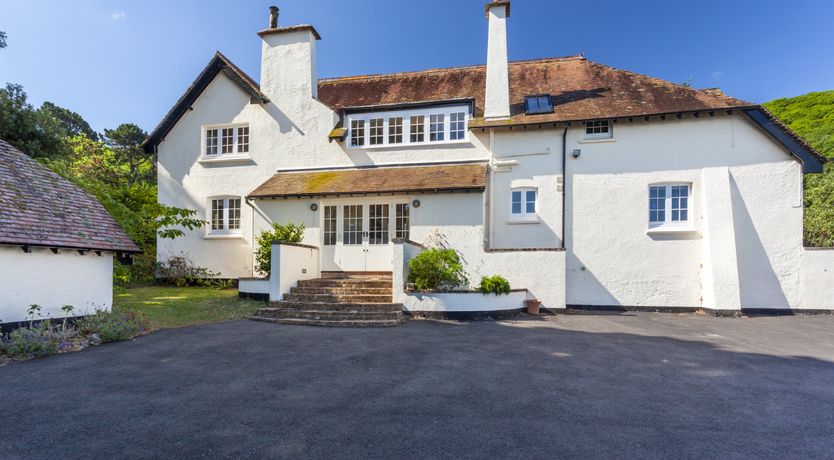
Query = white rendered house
x=584 y=184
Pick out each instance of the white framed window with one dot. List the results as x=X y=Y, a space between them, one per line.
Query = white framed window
x=598 y=129
x=437 y=127
x=357 y=133
x=428 y=125
x=417 y=128
x=670 y=205
x=224 y=215
x=457 y=126
x=377 y=131
x=395 y=130
x=524 y=204
x=225 y=140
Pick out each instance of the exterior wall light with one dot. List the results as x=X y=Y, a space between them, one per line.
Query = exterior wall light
x=415 y=203
x=576 y=153
x=314 y=207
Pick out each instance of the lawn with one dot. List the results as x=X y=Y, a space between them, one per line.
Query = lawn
x=169 y=306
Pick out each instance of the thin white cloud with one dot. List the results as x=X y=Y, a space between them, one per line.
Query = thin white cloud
x=718 y=75
x=118 y=16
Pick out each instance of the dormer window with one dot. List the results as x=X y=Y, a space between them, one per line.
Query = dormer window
x=225 y=140
x=419 y=126
x=538 y=104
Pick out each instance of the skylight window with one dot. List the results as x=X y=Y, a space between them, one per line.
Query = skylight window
x=538 y=104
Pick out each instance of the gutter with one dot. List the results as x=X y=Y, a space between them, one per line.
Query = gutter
x=564 y=180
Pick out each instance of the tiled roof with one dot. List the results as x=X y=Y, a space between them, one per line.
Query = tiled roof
x=459 y=177
x=581 y=90
x=41 y=208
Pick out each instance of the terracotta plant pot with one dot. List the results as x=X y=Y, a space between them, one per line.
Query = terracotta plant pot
x=532 y=306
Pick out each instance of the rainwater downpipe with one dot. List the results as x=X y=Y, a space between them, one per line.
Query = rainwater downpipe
x=564 y=180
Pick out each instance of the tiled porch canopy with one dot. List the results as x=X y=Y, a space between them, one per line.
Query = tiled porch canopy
x=461 y=177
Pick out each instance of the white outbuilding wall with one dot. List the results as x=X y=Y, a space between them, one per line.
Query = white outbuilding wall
x=52 y=281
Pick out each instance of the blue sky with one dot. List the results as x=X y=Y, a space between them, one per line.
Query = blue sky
x=117 y=61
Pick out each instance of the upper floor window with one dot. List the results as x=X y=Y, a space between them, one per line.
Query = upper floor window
x=224 y=215
x=412 y=126
x=598 y=129
x=669 y=204
x=538 y=104
x=523 y=204
x=357 y=133
x=226 y=140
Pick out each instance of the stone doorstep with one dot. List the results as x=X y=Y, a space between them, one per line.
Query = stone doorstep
x=341 y=290
x=319 y=306
x=343 y=298
x=349 y=283
x=326 y=323
x=331 y=315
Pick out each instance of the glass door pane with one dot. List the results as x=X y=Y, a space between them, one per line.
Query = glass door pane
x=378 y=223
x=352 y=224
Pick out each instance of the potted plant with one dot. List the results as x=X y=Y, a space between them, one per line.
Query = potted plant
x=532 y=306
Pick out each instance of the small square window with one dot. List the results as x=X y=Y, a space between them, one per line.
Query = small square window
x=598 y=129
x=523 y=204
x=668 y=205
x=225 y=215
x=538 y=104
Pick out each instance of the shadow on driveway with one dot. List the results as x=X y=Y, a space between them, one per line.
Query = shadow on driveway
x=647 y=385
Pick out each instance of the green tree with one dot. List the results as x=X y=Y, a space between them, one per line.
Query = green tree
x=73 y=123
x=126 y=141
x=35 y=132
x=812 y=117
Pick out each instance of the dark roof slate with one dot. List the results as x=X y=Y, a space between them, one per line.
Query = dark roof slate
x=40 y=208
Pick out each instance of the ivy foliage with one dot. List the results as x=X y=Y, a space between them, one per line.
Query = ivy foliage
x=812 y=117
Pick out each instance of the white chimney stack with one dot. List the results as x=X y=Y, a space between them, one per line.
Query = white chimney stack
x=288 y=60
x=497 y=103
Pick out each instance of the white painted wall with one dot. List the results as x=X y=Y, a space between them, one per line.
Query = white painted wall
x=52 y=281
x=497 y=103
x=289 y=265
x=818 y=279
x=747 y=216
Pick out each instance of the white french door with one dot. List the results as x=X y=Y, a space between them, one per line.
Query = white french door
x=357 y=236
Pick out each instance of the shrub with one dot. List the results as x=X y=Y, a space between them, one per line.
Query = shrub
x=34 y=341
x=180 y=271
x=495 y=285
x=290 y=233
x=112 y=326
x=436 y=269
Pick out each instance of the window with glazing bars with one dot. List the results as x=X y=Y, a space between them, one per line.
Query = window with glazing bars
x=402 y=220
x=352 y=224
x=395 y=130
x=377 y=131
x=418 y=128
x=437 y=127
x=457 y=126
x=378 y=223
x=329 y=225
x=357 y=133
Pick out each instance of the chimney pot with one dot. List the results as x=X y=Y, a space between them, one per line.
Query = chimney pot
x=273 y=17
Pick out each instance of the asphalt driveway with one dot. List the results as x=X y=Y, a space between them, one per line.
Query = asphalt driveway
x=603 y=386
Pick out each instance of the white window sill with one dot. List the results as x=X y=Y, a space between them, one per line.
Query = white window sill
x=223 y=236
x=524 y=220
x=601 y=140
x=671 y=230
x=406 y=145
x=227 y=158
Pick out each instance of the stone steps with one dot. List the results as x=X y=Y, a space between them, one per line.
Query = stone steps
x=339 y=300
x=325 y=323
x=332 y=315
x=341 y=290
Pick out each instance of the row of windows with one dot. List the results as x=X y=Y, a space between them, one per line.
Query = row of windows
x=234 y=140
x=395 y=129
